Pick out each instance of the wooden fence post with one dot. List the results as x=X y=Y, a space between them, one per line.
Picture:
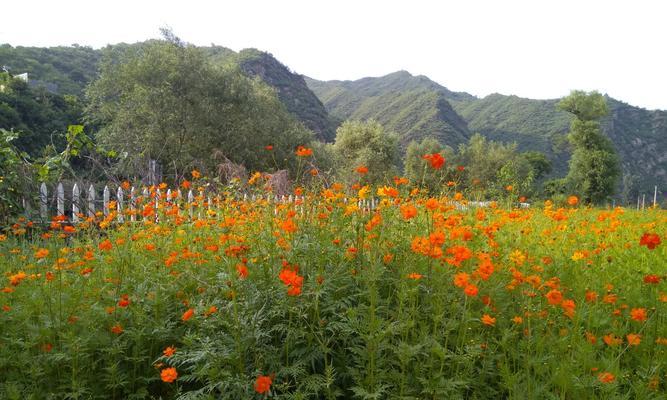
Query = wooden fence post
x=75 y=203
x=119 y=204
x=105 y=200
x=43 y=201
x=91 y=201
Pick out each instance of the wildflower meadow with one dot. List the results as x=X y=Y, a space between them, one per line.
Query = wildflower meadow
x=419 y=297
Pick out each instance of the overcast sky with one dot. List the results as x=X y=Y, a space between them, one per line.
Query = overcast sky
x=533 y=48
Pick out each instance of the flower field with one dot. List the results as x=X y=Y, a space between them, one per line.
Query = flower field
x=322 y=299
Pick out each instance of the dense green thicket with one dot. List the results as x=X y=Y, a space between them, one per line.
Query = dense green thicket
x=40 y=116
x=167 y=101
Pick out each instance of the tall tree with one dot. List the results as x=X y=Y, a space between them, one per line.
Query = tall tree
x=594 y=167
x=165 y=100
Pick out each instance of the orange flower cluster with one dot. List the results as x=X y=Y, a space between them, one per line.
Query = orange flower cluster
x=650 y=240
x=290 y=277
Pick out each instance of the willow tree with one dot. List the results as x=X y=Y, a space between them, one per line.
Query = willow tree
x=594 y=167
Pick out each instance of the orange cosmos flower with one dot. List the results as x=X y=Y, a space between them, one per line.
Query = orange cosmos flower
x=169 y=351
x=268 y=147
x=436 y=160
x=117 y=329
x=302 y=151
x=263 y=384
x=488 y=320
x=432 y=204
x=415 y=276
x=554 y=297
x=105 y=245
x=408 y=211
x=188 y=314
x=572 y=200
x=242 y=270
x=638 y=314
x=650 y=240
x=362 y=170
x=634 y=339
x=461 y=279
x=652 y=279
x=471 y=290
x=612 y=340
x=606 y=377
x=517 y=320
x=41 y=253
x=168 y=375
x=591 y=296
x=124 y=301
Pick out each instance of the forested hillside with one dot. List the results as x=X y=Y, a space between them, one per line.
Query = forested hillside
x=405 y=104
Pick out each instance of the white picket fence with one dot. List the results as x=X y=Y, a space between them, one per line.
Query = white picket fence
x=88 y=204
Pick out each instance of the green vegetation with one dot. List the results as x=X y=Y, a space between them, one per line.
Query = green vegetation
x=40 y=116
x=167 y=101
x=413 y=107
x=594 y=167
x=365 y=144
x=71 y=68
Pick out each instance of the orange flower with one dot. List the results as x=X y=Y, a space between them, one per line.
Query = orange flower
x=432 y=204
x=124 y=301
x=572 y=200
x=488 y=320
x=638 y=314
x=471 y=290
x=650 y=240
x=188 y=314
x=41 y=253
x=195 y=174
x=117 y=329
x=436 y=160
x=408 y=211
x=169 y=351
x=606 y=377
x=634 y=339
x=517 y=320
x=611 y=340
x=362 y=170
x=105 y=245
x=169 y=375
x=591 y=297
x=242 y=270
x=263 y=384
x=302 y=151
x=554 y=297
x=211 y=310
x=461 y=279
x=415 y=276
x=268 y=147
